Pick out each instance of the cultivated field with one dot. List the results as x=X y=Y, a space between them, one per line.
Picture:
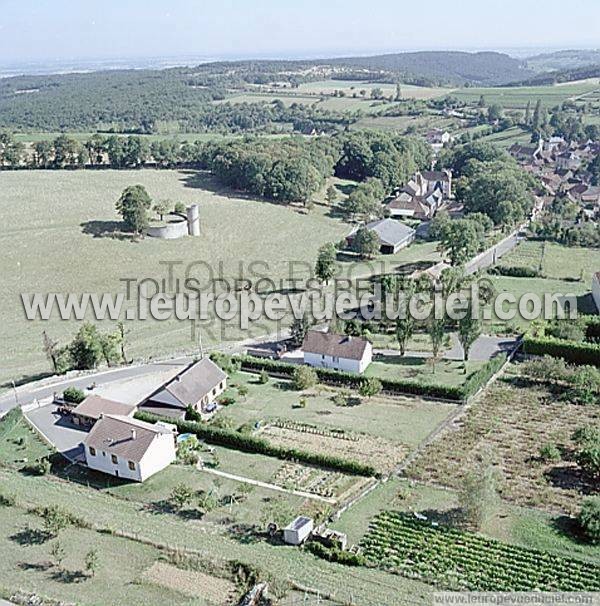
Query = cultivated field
x=327 y=87
x=514 y=421
x=57 y=237
x=517 y=97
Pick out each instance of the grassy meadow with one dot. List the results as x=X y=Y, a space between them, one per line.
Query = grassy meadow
x=58 y=237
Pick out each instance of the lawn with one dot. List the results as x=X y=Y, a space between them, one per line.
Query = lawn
x=447 y=372
x=20 y=444
x=404 y=420
x=54 y=223
x=566 y=270
x=513 y=421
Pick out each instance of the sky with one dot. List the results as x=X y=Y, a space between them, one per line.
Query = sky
x=48 y=30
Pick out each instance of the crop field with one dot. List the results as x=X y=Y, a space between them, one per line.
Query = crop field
x=508 y=137
x=401 y=123
x=517 y=97
x=513 y=422
x=363 y=586
x=404 y=420
x=51 y=217
x=465 y=561
x=327 y=87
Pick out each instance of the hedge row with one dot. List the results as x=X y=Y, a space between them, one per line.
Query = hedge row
x=570 y=351
x=248 y=443
x=338 y=378
x=515 y=272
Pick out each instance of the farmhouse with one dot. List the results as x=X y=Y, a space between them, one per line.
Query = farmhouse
x=437 y=138
x=342 y=352
x=392 y=235
x=596 y=290
x=198 y=385
x=128 y=448
x=423 y=195
x=93 y=407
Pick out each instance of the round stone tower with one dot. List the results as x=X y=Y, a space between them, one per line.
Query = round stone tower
x=193 y=220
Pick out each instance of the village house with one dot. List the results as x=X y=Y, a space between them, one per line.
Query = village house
x=341 y=352
x=393 y=235
x=568 y=160
x=526 y=153
x=128 y=448
x=198 y=386
x=422 y=196
x=87 y=413
x=437 y=138
x=596 y=290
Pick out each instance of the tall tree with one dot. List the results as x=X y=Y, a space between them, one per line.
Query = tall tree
x=133 y=206
x=405 y=328
x=436 y=329
x=469 y=329
x=325 y=265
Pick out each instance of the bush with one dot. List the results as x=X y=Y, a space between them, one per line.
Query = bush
x=7 y=500
x=250 y=443
x=335 y=554
x=74 y=395
x=587 y=454
x=589 y=519
x=191 y=414
x=41 y=467
x=515 y=272
x=263 y=377
x=304 y=377
x=549 y=453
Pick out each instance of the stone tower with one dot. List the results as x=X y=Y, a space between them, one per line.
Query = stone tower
x=193 y=219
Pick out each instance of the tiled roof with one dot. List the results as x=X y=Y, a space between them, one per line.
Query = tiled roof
x=122 y=436
x=332 y=344
x=95 y=406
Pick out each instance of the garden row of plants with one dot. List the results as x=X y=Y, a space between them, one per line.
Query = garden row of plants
x=458 y=560
x=515 y=272
x=249 y=443
x=313 y=429
x=338 y=378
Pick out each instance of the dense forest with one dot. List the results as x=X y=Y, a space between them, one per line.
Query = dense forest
x=186 y=99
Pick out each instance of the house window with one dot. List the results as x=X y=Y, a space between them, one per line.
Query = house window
x=114 y=459
x=92 y=451
x=214 y=391
x=131 y=465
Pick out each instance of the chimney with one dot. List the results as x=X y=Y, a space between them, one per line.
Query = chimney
x=133 y=434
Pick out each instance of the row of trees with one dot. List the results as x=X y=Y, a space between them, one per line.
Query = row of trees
x=87 y=350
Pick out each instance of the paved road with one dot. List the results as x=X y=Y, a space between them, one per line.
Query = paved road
x=38 y=391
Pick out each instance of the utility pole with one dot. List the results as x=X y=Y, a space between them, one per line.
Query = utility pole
x=16 y=394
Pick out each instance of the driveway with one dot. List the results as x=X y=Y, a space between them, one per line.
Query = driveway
x=484 y=348
x=60 y=432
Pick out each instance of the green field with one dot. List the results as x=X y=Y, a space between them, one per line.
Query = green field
x=517 y=97
x=363 y=586
x=46 y=215
x=327 y=87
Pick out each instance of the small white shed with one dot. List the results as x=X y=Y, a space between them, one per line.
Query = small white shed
x=298 y=531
